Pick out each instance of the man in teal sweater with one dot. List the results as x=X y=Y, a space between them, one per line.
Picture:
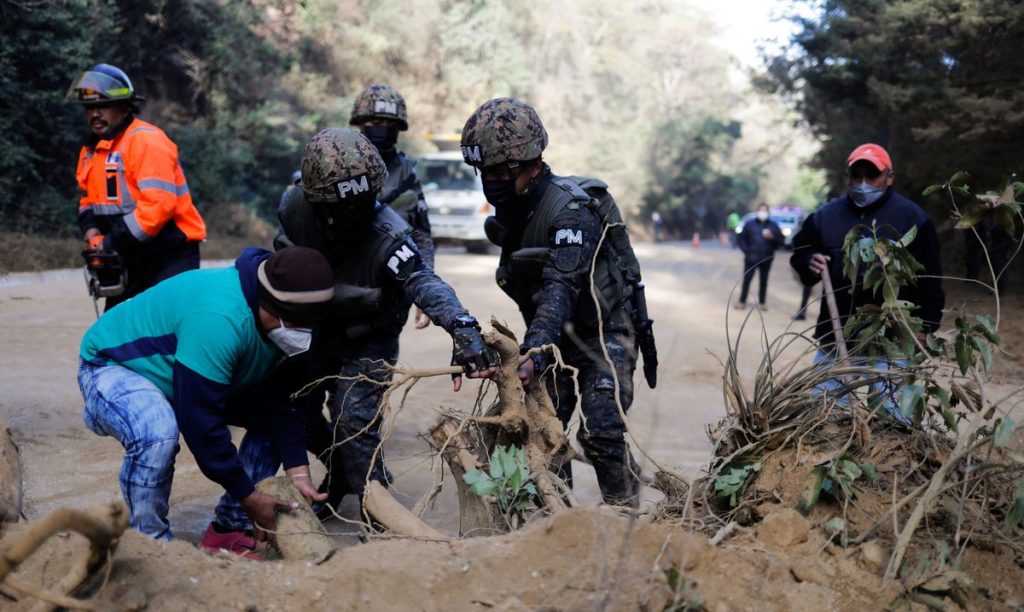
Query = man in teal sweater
x=170 y=360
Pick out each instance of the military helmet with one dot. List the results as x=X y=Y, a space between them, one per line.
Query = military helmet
x=380 y=101
x=102 y=84
x=339 y=164
x=503 y=130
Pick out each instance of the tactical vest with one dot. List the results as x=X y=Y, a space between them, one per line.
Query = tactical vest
x=616 y=270
x=365 y=297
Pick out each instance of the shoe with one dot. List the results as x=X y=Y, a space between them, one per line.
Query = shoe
x=762 y=307
x=232 y=542
x=740 y=305
x=800 y=316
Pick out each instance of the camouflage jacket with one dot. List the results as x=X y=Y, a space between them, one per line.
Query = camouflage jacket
x=404 y=194
x=377 y=274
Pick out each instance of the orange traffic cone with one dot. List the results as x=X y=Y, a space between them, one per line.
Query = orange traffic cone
x=696 y=240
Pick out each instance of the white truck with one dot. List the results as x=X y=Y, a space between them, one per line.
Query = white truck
x=455 y=200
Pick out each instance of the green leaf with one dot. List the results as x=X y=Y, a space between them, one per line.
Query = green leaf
x=949 y=418
x=870 y=472
x=962 y=175
x=931 y=189
x=813 y=490
x=850 y=469
x=971 y=218
x=1016 y=514
x=910 y=395
x=908 y=237
x=963 y=354
x=1006 y=219
x=1003 y=432
x=985 y=350
x=835 y=525
x=480 y=484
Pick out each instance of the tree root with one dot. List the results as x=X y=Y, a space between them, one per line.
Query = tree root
x=386 y=510
x=10 y=477
x=102 y=526
x=299 y=534
x=525 y=418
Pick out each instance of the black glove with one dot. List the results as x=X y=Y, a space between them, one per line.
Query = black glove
x=471 y=352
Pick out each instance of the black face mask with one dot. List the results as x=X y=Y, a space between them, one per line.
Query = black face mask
x=384 y=137
x=500 y=193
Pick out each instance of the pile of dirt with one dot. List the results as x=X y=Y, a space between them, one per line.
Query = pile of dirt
x=582 y=558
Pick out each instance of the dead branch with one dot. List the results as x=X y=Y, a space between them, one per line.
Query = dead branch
x=102 y=526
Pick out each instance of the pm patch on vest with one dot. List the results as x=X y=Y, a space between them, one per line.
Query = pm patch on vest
x=403 y=261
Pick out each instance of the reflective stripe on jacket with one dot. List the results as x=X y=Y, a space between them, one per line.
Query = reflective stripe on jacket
x=137 y=176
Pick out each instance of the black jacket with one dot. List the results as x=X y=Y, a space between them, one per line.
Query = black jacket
x=824 y=232
x=754 y=245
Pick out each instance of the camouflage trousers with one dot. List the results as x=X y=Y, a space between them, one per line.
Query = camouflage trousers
x=602 y=431
x=348 y=442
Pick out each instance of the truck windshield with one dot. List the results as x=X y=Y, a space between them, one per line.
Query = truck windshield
x=446 y=175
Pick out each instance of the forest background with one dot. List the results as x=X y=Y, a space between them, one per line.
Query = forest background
x=641 y=94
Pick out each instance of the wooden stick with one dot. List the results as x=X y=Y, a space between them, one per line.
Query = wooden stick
x=833 y=313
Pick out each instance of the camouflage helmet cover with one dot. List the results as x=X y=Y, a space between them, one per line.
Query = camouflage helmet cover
x=379 y=101
x=339 y=163
x=503 y=130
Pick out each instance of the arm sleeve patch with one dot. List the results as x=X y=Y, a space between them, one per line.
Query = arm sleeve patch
x=567 y=259
x=403 y=261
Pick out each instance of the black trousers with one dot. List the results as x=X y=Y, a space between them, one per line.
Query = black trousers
x=762 y=267
x=143 y=270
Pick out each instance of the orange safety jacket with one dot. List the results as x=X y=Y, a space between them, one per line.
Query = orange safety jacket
x=136 y=178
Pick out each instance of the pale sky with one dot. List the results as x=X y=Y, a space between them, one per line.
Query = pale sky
x=744 y=24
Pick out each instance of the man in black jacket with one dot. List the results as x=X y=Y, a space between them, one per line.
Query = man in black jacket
x=870 y=200
x=758 y=240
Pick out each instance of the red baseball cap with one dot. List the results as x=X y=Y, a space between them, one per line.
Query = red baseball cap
x=872 y=153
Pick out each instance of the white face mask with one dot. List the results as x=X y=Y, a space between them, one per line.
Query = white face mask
x=762 y=215
x=291 y=340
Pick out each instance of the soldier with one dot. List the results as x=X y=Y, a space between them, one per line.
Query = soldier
x=378 y=270
x=379 y=112
x=548 y=228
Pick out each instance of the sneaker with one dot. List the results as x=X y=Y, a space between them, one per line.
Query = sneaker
x=800 y=316
x=762 y=307
x=740 y=305
x=232 y=542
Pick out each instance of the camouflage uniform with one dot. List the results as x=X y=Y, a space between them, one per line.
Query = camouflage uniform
x=378 y=272
x=402 y=190
x=547 y=256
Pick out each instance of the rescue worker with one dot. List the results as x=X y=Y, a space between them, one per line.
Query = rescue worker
x=174 y=359
x=548 y=228
x=378 y=270
x=380 y=114
x=135 y=200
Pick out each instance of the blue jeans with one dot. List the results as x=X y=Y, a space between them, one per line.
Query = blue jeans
x=128 y=407
x=888 y=389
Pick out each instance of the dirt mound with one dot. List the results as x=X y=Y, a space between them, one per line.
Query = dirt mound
x=582 y=558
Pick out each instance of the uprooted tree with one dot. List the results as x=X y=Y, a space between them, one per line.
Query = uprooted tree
x=917 y=454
